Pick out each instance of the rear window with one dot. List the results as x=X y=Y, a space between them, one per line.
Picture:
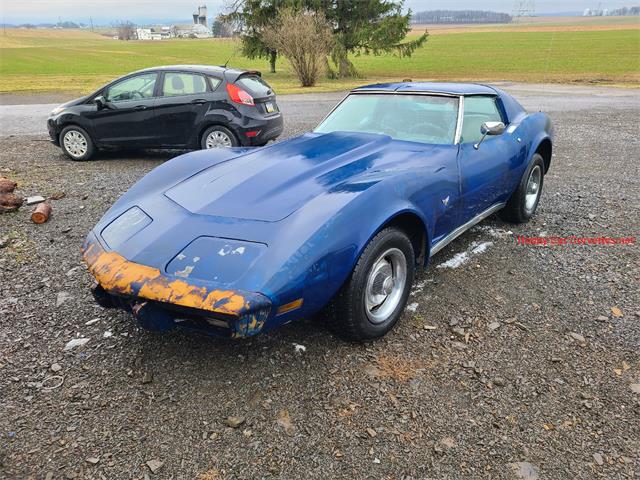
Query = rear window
x=255 y=86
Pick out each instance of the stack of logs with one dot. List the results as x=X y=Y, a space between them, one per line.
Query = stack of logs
x=8 y=200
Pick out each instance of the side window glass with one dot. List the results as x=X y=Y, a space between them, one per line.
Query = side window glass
x=134 y=88
x=214 y=82
x=183 y=84
x=478 y=110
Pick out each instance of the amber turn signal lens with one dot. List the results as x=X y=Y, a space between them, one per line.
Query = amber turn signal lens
x=287 y=307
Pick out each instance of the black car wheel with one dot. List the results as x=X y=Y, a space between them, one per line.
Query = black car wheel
x=76 y=143
x=371 y=301
x=524 y=201
x=218 y=136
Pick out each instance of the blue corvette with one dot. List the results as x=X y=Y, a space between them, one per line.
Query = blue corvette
x=238 y=241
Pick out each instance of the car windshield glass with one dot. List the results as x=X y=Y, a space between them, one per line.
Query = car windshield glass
x=415 y=118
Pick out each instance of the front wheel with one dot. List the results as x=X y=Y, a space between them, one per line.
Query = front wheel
x=372 y=300
x=76 y=143
x=524 y=201
x=218 y=136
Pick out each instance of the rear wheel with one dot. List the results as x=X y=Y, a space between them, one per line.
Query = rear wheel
x=217 y=137
x=372 y=300
x=524 y=201
x=76 y=143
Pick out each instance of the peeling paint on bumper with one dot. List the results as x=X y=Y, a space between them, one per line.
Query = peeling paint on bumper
x=119 y=276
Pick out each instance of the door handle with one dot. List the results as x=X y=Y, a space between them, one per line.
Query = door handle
x=198 y=101
x=140 y=107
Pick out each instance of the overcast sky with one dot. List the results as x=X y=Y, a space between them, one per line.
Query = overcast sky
x=20 y=11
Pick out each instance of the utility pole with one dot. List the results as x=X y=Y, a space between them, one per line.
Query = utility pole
x=91 y=22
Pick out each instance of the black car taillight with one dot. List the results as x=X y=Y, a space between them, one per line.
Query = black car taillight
x=238 y=95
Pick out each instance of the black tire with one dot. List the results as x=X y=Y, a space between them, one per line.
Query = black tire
x=347 y=313
x=517 y=210
x=76 y=143
x=224 y=131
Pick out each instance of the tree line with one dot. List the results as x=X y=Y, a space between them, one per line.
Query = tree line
x=460 y=16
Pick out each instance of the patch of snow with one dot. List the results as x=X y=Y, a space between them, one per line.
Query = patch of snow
x=107 y=334
x=418 y=287
x=463 y=257
x=457 y=260
x=493 y=232
x=481 y=247
x=412 y=307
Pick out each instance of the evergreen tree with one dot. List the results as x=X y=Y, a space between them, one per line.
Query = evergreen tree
x=366 y=27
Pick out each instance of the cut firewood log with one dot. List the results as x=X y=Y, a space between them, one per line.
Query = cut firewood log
x=41 y=213
x=6 y=185
x=9 y=202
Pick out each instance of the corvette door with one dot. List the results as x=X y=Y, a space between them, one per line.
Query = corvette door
x=485 y=172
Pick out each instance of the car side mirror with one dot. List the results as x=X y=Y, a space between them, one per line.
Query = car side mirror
x=101 y=102
x=490 y=128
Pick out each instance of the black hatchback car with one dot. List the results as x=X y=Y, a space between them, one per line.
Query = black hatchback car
x=182 y=106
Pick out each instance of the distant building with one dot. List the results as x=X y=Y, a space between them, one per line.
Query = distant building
x=200 y=17
x=198 y=29
x=596 y=12
x=191 y=31
x=160 y=32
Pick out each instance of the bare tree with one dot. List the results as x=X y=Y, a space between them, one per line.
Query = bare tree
x=126 y=30
x=305 y=38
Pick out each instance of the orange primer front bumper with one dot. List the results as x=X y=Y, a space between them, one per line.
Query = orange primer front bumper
x=119 y=276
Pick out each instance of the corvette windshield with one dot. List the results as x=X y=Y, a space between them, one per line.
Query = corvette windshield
x=415 y=118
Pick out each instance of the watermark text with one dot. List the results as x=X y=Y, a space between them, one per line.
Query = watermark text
x=573 y=240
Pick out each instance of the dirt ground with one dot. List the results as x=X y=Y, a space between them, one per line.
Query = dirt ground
x=511 y=361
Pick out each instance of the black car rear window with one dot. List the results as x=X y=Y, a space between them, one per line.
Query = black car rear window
x=254 y=85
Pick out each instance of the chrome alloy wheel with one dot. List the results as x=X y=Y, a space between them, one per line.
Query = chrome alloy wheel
x=218 y=139
x=75 y=143
x=385 y=285
x=533 y=189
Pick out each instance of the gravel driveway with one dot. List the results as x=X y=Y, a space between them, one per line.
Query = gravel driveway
x=511 y=361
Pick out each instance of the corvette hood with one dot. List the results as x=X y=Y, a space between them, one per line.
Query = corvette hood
x=271 y=183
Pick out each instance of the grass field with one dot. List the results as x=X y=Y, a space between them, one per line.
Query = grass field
x=79 y=61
